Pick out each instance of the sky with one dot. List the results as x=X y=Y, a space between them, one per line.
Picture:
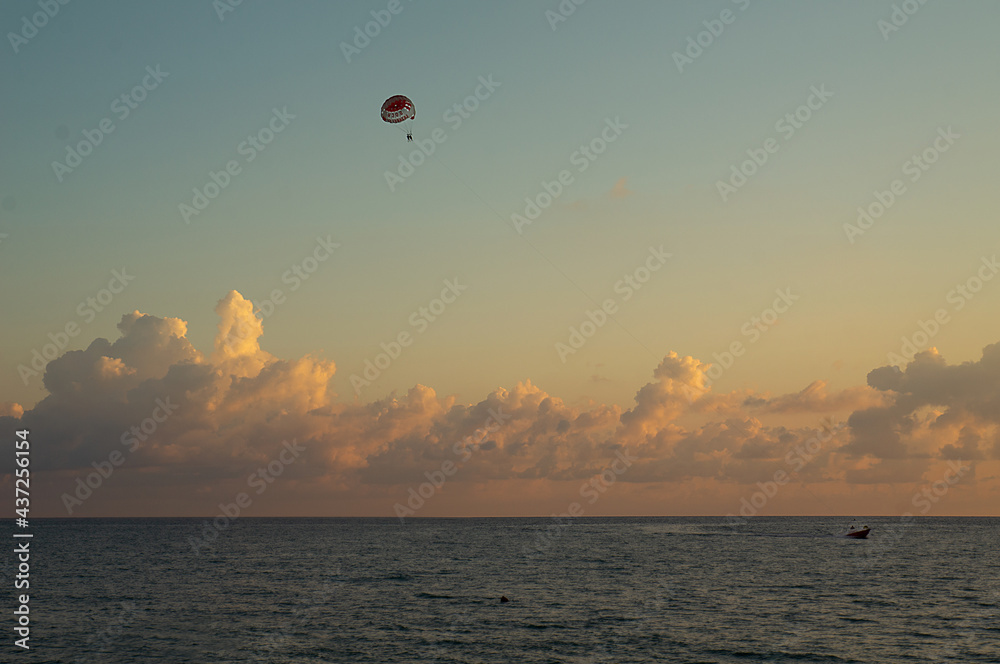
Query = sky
x=703 y=258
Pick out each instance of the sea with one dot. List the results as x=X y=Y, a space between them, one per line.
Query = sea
x=580 y=590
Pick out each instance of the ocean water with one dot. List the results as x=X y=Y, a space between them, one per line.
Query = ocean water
x=587 y=590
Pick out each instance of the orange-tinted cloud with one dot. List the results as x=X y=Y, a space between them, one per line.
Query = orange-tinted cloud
x=11 y=409
x=620 y=190
x=933 y=409
x=815 y=399
x=190 y=421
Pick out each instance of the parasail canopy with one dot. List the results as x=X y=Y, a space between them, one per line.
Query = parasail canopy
x=398 y=109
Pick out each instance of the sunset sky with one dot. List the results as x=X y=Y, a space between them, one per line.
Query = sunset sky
x=654 y=248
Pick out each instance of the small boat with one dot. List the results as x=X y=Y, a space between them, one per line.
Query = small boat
x=856 y=532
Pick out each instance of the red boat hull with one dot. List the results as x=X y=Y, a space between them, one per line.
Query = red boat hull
x=859 y=534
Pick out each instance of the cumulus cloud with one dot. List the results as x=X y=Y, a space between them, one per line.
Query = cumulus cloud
x=932 y=410
x=237 y=346
x=240 y=403
x=187 y=419
x=11 y=409
x=815 y=399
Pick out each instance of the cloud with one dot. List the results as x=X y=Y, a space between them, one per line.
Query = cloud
x=620 y=190
x=229 y=412
x=11 y=409
x=933 y=410
x=236 y=345
x=238 y=404
x=815 y=399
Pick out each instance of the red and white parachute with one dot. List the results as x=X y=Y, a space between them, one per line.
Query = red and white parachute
x=399 y=110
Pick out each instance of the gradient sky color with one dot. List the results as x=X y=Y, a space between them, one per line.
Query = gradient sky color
x=891 y=96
